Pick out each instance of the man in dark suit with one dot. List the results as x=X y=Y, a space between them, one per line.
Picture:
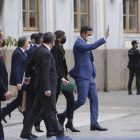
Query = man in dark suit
x=4 y=93
x=31 y=93
x=17 y=72
x=45 y=85
x=134 y=67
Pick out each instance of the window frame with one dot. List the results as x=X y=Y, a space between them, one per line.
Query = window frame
x=127 y=15
x=28 y=28
x=78 y=13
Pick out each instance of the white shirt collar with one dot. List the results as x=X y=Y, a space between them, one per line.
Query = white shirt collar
x=21 y=49
x=47 y=47
x=36 y=45
x=83 y=40
x=32 y=44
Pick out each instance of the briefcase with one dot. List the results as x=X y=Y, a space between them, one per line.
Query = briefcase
x=69 y=87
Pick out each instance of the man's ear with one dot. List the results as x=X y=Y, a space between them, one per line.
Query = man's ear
x=33 y=40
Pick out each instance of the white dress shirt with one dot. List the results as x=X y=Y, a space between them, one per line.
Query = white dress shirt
x=47 y=47
x=22 y=49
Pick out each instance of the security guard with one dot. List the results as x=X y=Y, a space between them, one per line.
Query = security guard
x=134 y=67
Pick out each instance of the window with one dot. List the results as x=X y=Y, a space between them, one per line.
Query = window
x=130 y=16
x=81 y=13
x=30 y=15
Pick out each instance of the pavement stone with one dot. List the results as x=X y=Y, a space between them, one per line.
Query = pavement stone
x=118 y=112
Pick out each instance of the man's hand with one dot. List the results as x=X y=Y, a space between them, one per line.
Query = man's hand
x=48 y=93
x=8 y=95
x=65 y=82
x=107 y=33
x=27 y=81
x=19 y=86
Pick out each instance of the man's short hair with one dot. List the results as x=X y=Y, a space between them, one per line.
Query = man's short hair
x=22 y=41
x=33 y=36
x=39 y=38
x=85 y=29
x=49 y=37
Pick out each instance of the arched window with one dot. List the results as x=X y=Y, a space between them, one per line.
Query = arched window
x=81 y=13
x=30 y=9
x=130 y=16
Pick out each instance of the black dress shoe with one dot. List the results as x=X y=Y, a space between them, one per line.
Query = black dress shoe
x=50 y=134
x=98 y=128
x=130 y=93
x=29 y=137
x=3 y=117
x=138 y=93
x=34 y=136
x=20 y=109
x=63 y=138
x=61 y=118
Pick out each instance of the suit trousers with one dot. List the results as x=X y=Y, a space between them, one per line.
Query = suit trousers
x=48 y=104
x=69 y=97
x=14 y=104
x=30 y=99
x=86 y=88
x=131 y=77
x=1 y=127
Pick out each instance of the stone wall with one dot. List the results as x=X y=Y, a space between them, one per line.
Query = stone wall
x=111 y=67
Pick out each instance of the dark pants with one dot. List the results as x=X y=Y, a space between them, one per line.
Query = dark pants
x=70 y=100
x=1 y=127
x=30 y=99
x=131 y=77
x=14 y=104
x=86 y=88
x=48 y=104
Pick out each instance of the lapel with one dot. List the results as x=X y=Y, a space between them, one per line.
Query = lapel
x=22 y=52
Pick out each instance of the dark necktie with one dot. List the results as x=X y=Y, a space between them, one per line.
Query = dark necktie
x=1 y=55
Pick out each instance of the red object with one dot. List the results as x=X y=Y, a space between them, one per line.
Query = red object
x=1 y=55
x=32 y=21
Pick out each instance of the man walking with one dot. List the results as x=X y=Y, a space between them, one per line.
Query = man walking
x=46 y=86
x=17 y=72
x=134 y=67
x=31 y=93
x=4 y=93
x=84 y=73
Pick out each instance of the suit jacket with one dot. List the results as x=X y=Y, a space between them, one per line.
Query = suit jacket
x=134 y=58
x=3 y=80
x=83 y=56
x=18 y=65
x=61 y=63
x=46 y=78
x=33 y=73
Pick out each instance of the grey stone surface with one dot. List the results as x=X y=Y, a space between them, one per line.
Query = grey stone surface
x=118 y=112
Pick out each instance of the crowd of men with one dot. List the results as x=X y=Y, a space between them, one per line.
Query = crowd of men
x=34 y=72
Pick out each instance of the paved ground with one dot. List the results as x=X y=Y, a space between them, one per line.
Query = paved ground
x=118 y=112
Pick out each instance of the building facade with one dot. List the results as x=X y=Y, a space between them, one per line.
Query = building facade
x=24 y=17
